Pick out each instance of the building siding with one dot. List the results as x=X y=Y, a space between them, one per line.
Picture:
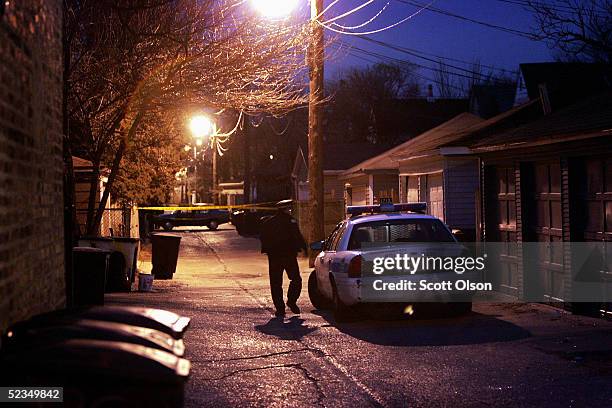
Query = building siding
x=31 y=170
x=461 y=184
x=334 y=187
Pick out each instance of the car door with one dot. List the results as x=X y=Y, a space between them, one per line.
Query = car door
x=325 y=259
x=178 y=218
x=201 y=217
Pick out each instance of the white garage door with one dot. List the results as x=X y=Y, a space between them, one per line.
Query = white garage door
x=435 y=195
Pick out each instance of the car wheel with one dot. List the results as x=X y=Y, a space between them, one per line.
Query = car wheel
x=316 y=298
x=213 y=225
x=168 y=226
x=342 y=313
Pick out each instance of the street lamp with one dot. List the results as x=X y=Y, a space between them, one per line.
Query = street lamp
x=315 y=58
x=201 y=128
x=275 y=9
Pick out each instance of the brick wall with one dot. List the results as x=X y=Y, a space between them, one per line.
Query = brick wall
x=31 y=171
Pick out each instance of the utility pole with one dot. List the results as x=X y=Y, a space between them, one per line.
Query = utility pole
x=247 y=161
x=215 y=195
x=316 y=51
x=195 y=173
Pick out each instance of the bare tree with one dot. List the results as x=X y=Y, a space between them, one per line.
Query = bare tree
x=448 y=85
x=581 y=30
x=454 y=83
x=132 y=61
x=362 y=97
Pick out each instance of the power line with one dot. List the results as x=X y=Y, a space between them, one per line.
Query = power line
x=415 y=54
x=560 y=8
x=379 y=30
x=365 y=23
x=402 y=49
x=472 y=74
x=471 y=20
x=356 y=52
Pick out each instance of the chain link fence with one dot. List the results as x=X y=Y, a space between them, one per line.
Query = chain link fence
x=115 y=222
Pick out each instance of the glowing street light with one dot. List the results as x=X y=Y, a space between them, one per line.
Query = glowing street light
x=275 y=9
x=201 y=126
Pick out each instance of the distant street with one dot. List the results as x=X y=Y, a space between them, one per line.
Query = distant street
x=500 y=355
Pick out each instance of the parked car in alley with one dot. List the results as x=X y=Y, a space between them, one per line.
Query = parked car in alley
x=210 y=218
x=341 y=278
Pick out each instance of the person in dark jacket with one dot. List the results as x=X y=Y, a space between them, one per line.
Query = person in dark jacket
x=281 y=240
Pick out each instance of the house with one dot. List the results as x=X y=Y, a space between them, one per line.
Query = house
x=337 y=157
x=379 y=176
x=117 y=220
x=231 y=193
x=549 y=180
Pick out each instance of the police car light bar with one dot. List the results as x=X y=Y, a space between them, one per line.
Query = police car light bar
x=355 y=210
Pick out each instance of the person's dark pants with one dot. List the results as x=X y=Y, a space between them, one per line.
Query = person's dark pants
x=277 y=264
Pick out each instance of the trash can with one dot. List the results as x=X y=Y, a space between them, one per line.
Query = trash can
x=100 y=373
x=127 y=246
x=90 y=266
x=158 y=319
x=34 y=332
x=165 y=250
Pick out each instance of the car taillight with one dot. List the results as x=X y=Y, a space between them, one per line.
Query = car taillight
x=354 y=268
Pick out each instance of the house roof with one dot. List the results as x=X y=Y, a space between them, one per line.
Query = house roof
x=516 y=116
x=589 y=116
x=426 y=141
x=449 y=132
x=78 y=162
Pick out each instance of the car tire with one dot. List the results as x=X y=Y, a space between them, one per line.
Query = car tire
x=168 y=226
x=316 y=298
x=342 y=313
x=213 y=225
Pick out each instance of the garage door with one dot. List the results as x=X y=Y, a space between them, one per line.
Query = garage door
x=412 y=189
x=598 y=225
x=435 y=195
x=505 y=227
x=545 y=225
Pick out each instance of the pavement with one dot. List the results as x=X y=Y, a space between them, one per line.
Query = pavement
x=515 y=355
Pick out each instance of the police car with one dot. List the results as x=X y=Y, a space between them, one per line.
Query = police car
x=344 y=274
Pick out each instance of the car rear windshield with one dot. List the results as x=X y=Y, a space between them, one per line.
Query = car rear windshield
x=397 y=232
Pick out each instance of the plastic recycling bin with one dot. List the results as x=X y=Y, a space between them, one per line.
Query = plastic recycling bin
x=32 y=333
x=165 y=250
x=127 y=246
x=100 y=373
x=90 y=266
x=158 y=319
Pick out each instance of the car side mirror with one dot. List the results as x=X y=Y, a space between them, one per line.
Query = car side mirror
x=317 y=246
x=458 y=234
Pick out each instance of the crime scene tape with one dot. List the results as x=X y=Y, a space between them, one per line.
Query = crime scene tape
x=257 y=206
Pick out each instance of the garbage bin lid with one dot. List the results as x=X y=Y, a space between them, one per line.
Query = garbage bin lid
x=95 y=238
x=90 y=250
x=125 y=239
x=84 y=358
x=165 y=235
x=32 y=333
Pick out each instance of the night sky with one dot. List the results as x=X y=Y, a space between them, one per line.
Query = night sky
x=439 y=34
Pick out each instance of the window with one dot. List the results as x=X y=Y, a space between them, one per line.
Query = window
x=338 y=237
x=382 y=233
x=330 y=239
